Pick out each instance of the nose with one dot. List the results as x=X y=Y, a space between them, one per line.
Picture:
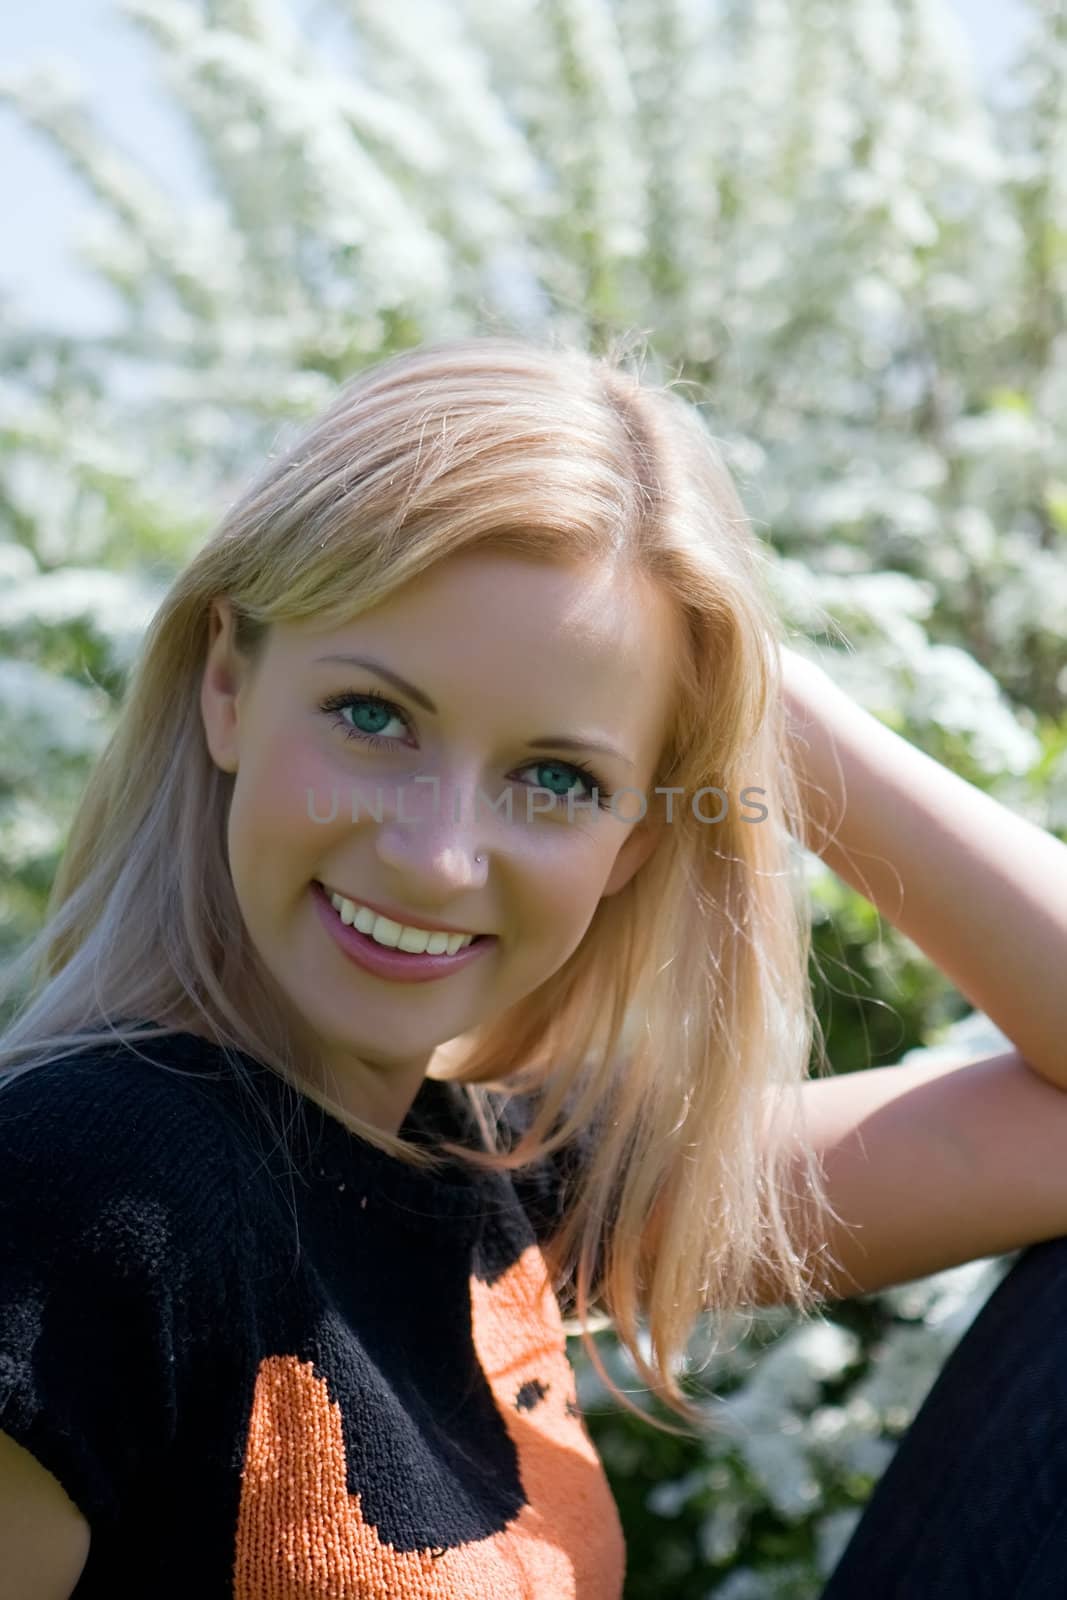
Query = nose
x=434 y=837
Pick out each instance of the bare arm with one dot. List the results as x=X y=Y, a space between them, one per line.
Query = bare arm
x=931 y=1165
x=982 y=891
x=44 y=1539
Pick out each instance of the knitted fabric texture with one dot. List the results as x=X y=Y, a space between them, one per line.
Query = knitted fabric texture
x=269 y=1362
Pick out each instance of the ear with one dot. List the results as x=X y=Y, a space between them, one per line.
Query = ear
x=220 y=688
x=635 y=850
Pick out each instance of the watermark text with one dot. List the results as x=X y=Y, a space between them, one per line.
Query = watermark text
x=708 y=805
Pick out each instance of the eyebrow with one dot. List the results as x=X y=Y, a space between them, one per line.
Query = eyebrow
x=547 y=742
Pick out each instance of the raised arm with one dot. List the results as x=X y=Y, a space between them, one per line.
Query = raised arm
x=933 y=1165
x=982 y=891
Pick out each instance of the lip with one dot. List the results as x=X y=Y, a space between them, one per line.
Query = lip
x=429 y=923
x=395 y=965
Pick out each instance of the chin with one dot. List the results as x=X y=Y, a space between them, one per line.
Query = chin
x=384 y=1046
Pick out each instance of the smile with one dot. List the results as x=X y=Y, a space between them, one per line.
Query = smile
x=397 y=935
x=385 y=957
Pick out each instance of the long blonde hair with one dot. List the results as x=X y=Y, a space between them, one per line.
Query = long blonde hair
x=681 y=1028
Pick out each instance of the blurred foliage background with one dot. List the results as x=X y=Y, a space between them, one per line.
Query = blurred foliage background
x=859 y=267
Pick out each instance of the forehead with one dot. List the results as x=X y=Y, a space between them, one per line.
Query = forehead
x=595 y=605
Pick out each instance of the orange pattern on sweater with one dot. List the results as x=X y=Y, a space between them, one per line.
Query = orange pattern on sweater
x=301 y=1534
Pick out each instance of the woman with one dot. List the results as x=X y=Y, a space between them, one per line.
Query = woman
x=429 y=944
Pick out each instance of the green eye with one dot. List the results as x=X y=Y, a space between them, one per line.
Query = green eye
x=373 y=712
x=571 y=770
x=563 y=774
x=373 y=706
x=378 y=712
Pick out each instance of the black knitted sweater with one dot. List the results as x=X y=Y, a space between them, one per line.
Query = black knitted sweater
x=269 y=1362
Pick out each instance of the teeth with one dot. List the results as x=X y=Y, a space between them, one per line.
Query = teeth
x=395 y=936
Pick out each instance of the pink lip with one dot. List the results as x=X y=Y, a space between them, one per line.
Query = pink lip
x=393 y=964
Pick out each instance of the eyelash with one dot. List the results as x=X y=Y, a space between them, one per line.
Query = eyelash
x=336 y=703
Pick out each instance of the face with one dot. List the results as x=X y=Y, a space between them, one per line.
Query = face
x=528 y=668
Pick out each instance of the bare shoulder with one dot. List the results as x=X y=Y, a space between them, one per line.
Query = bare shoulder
x=44 y=1539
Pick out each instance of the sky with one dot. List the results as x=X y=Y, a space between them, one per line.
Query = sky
x=45 y=205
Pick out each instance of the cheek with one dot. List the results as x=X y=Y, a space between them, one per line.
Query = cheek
x=565 y=893
x=570 y=863
x=283 y=797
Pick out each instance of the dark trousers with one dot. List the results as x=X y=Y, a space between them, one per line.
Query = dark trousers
x=973 y=1505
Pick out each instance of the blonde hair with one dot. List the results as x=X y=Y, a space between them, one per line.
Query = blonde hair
x=681 y=1028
